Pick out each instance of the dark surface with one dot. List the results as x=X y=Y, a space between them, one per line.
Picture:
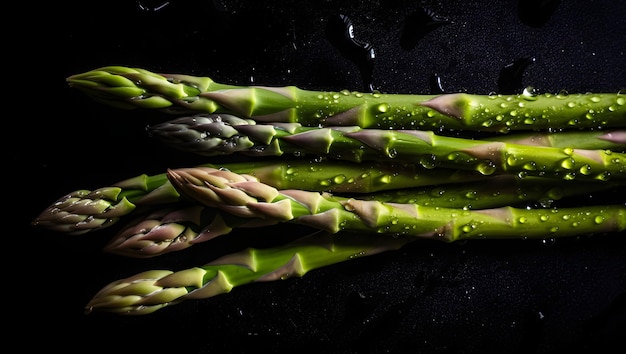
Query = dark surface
x=476 y=297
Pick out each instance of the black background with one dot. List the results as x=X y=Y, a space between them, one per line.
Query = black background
x=475 y=297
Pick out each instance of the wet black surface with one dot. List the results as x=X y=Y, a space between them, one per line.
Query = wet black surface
x=475 y=297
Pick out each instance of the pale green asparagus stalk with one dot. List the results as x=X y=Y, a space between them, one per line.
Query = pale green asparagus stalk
x=129 y=88
x=407 y=146
x=152 y=290
x=83 y=211
x=245 y=197
x=174 y=229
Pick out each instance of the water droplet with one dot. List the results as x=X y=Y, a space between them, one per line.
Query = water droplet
x=428 y=162
x=568 y=163
x=530 y=93
x=454 y=156
x=385 y=179
x=530 y=166
x=391 y=153
x=486 y=167
x=585 y=170
x=569 y=176
x=383 y=107
x=511 y=160
x=599 y=219
x=468 y=228
x=544 y=217
x=522 y=220
x=339 y=179
x=471 y=195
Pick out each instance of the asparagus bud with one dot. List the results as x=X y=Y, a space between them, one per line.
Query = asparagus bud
x=173 y=229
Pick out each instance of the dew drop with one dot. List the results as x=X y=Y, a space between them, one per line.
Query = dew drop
x=569 y=176
x=386 y=179
x=383 y=107
x=568 y=163
x=599 y=219
x=511 y=160
x=471 y=195
x=339 y=179
x=486 y=167
x=428 y=162
x=529 y=93
x=530 y=166
x=585 y=170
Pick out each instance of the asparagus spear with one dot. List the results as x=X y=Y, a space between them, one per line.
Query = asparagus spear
x=209 y=134
x=246 y=197
x=152 y=290
x=408 y=146
x=130 y=88
x=173 y=229
x=82 y=211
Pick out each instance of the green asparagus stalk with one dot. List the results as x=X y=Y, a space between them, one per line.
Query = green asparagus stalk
x=205 y=134
x=152 y=290
x=83 y=211
x=131 y=88
x=408 y=146
x=174 y=229
x=246 y=197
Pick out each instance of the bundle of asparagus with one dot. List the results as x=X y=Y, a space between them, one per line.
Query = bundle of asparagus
x=366 y=173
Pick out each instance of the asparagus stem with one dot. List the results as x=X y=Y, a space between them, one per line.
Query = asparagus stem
x=246 y=197
x=130 y=88
x=152 y=290
x=203 y=135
